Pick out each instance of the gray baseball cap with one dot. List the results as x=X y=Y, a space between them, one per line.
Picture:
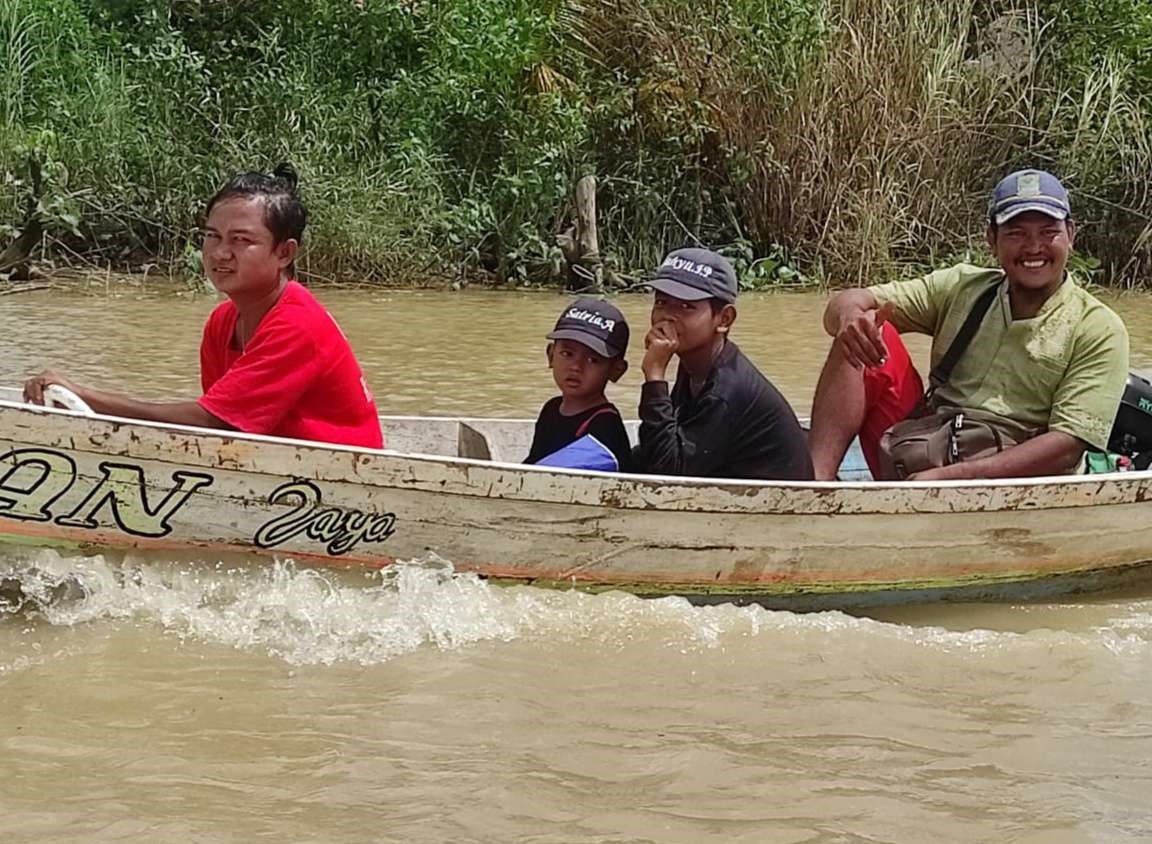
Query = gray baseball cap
x=1028 y=190
x=694 y=274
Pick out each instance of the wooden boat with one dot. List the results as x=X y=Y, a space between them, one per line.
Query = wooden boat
x=450 y=487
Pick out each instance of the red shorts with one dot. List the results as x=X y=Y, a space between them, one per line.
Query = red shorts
x=891 y=391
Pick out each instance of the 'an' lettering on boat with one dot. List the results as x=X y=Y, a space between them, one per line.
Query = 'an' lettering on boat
x=37 y=478
x=122 y=490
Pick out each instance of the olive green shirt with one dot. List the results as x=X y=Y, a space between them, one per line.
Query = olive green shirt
x=1062 y=370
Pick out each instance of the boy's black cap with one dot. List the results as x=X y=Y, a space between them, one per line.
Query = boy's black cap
x=597 y=324
x=694 y=274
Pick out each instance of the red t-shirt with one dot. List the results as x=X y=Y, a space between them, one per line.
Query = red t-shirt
x=297 y=377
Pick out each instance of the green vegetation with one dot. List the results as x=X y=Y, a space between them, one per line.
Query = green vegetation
x=839 y=140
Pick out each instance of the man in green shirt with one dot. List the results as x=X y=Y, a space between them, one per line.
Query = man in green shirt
x=1047 y=354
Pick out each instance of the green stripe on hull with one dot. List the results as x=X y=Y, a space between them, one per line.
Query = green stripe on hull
x=842 y=595
x=42 y=542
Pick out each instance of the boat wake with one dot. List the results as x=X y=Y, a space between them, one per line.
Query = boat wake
x=312 y=616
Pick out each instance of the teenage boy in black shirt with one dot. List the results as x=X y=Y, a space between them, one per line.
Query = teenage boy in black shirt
x=722 y=419
x=586 y=352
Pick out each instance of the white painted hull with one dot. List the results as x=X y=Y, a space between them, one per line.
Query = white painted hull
x=125 y=484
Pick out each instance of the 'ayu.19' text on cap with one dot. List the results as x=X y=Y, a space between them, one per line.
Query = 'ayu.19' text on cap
x=694 y=274
x=1029 y=190
x=595 y=323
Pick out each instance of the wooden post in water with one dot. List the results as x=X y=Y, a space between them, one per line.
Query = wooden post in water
x=581 y=245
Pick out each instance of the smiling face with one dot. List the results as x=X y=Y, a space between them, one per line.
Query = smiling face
x=241 y=257
x=580 y=373
x=1033 y=249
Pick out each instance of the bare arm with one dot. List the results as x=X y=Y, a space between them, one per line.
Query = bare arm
x=853 y=317
x=1051 y=453
x=113 y=404
x=845 y=304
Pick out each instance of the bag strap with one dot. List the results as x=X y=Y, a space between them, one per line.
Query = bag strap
x=942 y=371
x=583 y=429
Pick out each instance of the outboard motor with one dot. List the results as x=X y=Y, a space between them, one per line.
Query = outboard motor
x=1132 y=430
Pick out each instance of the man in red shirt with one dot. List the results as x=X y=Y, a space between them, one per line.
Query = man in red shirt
x=272 y=361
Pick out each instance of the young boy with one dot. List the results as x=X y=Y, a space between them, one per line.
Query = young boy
x=586 y=352
x=723 y=418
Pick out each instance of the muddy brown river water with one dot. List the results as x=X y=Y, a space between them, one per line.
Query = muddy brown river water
x=182 y=702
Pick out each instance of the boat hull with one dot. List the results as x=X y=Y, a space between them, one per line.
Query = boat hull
x=94 y=483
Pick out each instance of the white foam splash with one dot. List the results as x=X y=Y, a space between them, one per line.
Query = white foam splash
x=310 y=616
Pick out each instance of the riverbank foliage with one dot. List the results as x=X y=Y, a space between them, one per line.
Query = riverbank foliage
x=851 y=139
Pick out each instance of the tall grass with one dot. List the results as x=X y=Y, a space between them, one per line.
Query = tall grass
x=883 y=152
x=855 y=138
x=1099 y=132
x=17 y=61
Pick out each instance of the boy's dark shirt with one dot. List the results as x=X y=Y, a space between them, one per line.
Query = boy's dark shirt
x=554 y=430
x=739 y=426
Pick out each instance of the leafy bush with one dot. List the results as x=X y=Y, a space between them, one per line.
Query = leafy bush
x=840 y=139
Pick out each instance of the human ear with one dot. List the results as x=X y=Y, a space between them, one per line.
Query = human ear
x=725 y=319
x=1071 y=231
x=990 y=236
x=616 y=372
x=548 y=353
x=286 y=252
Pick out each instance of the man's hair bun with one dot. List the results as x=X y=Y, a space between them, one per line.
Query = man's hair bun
x=286 y=173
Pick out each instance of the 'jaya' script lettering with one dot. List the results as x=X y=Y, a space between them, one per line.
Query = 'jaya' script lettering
x=341 y=529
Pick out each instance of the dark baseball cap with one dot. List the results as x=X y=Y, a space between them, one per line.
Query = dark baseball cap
x=694 y=274
x=597 y=324
x=1028 y=190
